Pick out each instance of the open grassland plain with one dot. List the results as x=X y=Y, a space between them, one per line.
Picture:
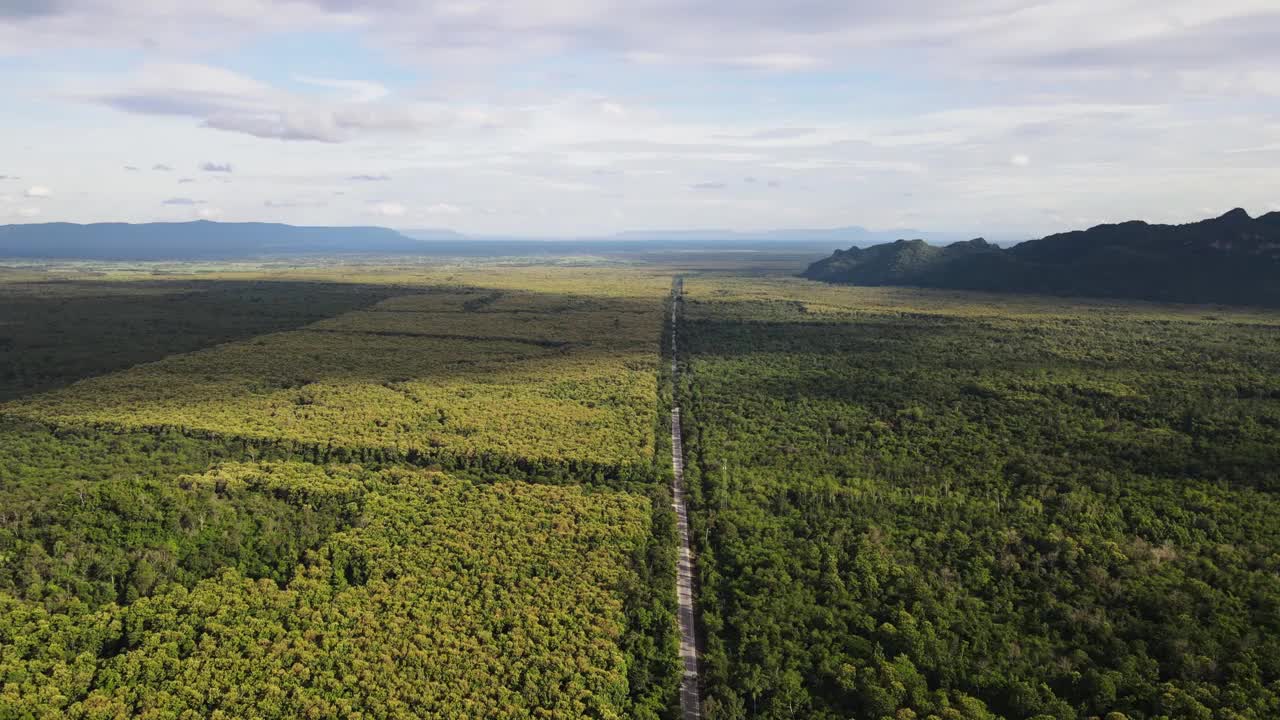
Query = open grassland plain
x=920 y=504
x=246 y=515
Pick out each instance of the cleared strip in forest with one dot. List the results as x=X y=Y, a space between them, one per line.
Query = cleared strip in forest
x=690 y=682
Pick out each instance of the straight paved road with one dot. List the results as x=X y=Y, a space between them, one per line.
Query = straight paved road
x=690 y=684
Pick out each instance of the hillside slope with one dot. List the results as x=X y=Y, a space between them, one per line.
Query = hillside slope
x=1230 y=259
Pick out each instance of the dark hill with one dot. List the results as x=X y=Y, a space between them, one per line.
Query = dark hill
x=190 y=240
x=1229 y=259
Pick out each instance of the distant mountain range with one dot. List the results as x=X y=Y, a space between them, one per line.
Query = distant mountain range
x=852 y=235
x=192 y=240
x=214 y=240
x=1230 y=259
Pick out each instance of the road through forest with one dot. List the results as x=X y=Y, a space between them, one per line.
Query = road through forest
x=690 y=683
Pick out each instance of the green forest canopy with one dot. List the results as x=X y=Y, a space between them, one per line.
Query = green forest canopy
x=908 y=503
x=147 y=570
x=927 y=504
x=463 y=599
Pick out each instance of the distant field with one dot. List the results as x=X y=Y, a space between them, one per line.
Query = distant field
x=937 y=504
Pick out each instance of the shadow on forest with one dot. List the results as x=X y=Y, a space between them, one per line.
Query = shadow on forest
x=57 y=332
x=960 y=343
x=1144 y=403
x=472 y=396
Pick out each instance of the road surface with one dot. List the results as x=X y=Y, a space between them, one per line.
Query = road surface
x=690 y=684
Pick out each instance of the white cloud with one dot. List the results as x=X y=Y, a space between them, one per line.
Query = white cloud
x=29 y=212
x=1149 y=35
x=355 y=90
x=38 y=191
x=1271 y=147
x=780 y=62
x=389 y=209
x=209 y=213
x=1144 y=96
x=223 y=100
x=302 y=202
x=1244 y=83
x=1023 y=41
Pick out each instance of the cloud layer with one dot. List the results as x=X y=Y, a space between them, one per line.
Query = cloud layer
x=596 y=115
x=762 y=34
x=220 y=99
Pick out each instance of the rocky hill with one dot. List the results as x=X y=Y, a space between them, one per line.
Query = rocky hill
x=1233 y=259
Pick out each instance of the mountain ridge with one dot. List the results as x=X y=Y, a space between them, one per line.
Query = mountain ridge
x=852 y=234
x=1233 y=259
x=205 y=239
x=193 y=240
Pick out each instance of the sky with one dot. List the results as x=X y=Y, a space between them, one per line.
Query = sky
x=587 y=117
